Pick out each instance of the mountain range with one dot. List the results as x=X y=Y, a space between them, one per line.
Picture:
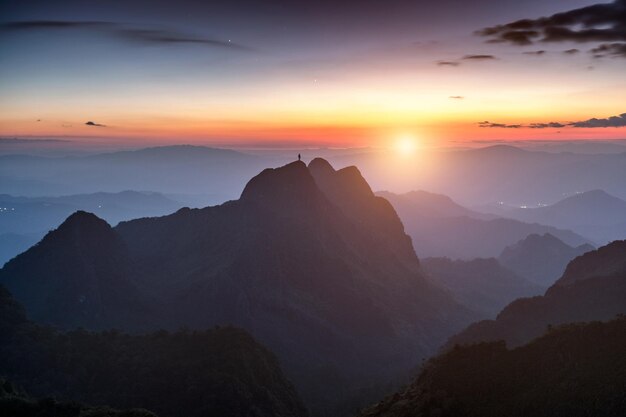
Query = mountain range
x=308 y=260
x=540 y=258
x=595 y=214
x=440 y=227
x=25 y=220
x=484 y=285
x=593 y=287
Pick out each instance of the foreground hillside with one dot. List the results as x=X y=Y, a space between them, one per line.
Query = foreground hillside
x=15 y=403
x=575 y=370
x=308 y=260
x=206 y=373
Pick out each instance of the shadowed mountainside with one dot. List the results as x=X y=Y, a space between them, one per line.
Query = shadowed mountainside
x=481 y=284
x=575 y=370
x=593 y=287
x=215 y=372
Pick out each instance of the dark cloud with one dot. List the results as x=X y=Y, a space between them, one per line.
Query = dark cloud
x=604 y=22
x=614 y=121
x=498 y=125
x=555 y=125
x=457 y=97
x=90 y=123
x=478 y=57
x=124 y=32
x=572 y=51
x=448 y=63
x=615 y=50
x=535 y=53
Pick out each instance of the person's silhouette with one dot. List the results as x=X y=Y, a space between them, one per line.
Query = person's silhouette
x=298 y=157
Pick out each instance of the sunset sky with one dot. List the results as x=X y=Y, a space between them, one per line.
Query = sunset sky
x=312 y=73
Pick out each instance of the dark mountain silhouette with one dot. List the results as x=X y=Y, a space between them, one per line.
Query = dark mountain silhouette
x=308 y=260
x=78 y=275
x=593 y=287
x=222 y=371
x=596 y=214
x=440 y=227
x=481 y=284
x=575 y=370
x=540 y=258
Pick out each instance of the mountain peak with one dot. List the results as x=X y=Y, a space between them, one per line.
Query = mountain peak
x=320 y=166
x=284 y=185
x=84 y=220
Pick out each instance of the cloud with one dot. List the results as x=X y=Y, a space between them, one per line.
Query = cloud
x=572 y=51
x=613 y=121
x=123 y=32
x=604 y=22
x=448 y=63
x=556 y=125
x=615 y=50
x=90 y=123
x=478 y=57
x=498 y=125
x=457 y=97
x=535 y=53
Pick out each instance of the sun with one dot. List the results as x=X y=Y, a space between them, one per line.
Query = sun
x=405 y=145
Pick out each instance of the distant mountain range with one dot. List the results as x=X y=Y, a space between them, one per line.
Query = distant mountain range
x=596 y=214
x=440 y=227
x=484 y=285
x=25 y=220
x=219 y=174
x=593 y=287
x=308 y=260
x=473 y=177
x=540 y=258
x=495 y=173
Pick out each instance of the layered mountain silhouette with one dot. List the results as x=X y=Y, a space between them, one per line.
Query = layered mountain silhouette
x=440 y=227
x=481 y=284
x=308 y=260
x=26 y=220
x=540 y=258
x=79 y=275
x=595 y=214
x=221 y=371
x=575 y=370
x=593 y=287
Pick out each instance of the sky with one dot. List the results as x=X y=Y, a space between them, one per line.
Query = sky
x=322 y=73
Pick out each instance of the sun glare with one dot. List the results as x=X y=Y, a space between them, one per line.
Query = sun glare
x=405 y=145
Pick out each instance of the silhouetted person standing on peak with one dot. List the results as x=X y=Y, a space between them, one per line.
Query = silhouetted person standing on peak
x=298 y=157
